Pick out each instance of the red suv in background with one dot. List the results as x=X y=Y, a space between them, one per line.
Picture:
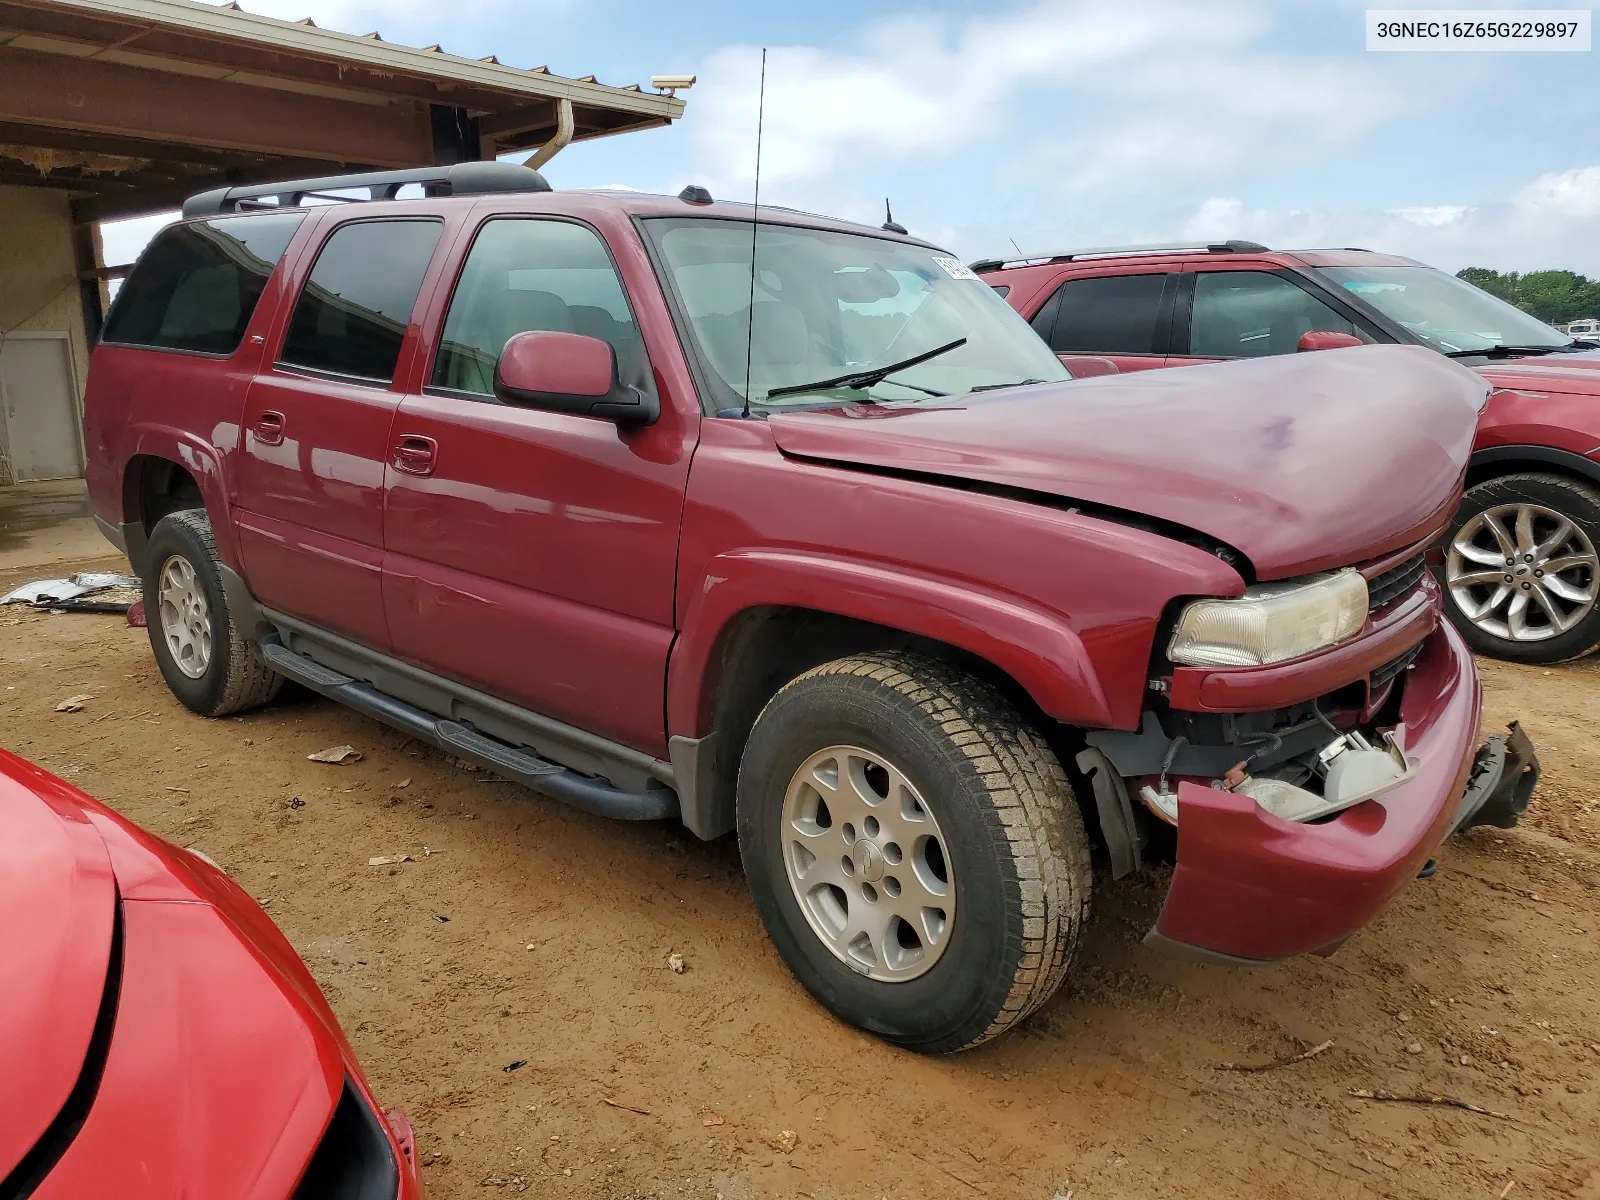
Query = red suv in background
x=853 y=570
x=1520 y=564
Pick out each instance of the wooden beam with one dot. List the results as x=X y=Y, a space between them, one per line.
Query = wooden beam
x=105 y=97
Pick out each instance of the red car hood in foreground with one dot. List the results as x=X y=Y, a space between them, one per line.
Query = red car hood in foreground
x=160 y=1037
x=1232 y=450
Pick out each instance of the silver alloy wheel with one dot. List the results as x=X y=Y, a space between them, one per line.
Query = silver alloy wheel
x=185 y=616
x=1523 y=572
x=868 y=864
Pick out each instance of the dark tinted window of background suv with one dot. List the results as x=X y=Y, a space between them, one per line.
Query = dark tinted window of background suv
x=197 y=285
x=353 y=313
x=1108 y=314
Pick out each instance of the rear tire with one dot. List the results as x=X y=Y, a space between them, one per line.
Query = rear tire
x=981 y=843
x=1521 y=576
x=206 y=663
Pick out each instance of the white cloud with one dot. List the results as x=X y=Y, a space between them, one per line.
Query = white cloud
x=1553 y=222
x=1567 y=195
x=1068 y=98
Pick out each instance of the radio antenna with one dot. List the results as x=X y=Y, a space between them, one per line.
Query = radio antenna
x=755 y=210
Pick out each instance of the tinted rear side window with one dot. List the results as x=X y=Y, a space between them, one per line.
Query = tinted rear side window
x=352 y=315
x=197 y=285
x=1108 y=314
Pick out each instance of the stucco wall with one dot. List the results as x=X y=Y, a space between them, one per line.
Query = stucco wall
x=38 y=278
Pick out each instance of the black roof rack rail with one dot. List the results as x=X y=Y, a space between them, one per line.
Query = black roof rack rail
x=1233 y=246
x=458 y=179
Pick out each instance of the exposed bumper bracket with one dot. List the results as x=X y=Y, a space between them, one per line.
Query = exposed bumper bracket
x=1501 y=784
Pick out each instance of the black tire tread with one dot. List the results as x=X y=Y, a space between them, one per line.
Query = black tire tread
x=1041 y=826
x=247 y=681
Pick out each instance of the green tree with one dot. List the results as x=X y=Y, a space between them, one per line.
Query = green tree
x=1553 y=296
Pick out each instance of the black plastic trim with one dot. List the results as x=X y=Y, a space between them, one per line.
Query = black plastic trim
x=1575 y=464
x=526 y=767
x=41 y=1159
x=354 y=1160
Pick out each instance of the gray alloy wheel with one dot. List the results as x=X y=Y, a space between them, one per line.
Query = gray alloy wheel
x=1523 y=572
x=868 y=864
x=185 y=616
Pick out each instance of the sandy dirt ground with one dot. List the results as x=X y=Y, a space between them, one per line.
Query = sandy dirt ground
x=525 y=933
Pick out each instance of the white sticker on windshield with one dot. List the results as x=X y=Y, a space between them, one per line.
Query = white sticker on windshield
x=954 y=267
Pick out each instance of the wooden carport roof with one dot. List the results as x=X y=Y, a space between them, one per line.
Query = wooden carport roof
x=131 y=105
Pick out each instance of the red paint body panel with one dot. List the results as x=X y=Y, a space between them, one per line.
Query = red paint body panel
x=58 y=900
x=1256 y=689
x=224 y=1062
x=1296 y=485
x=1252 y=886
x=762 y=530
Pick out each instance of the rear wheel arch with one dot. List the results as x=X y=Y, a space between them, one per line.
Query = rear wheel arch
x=164 y=479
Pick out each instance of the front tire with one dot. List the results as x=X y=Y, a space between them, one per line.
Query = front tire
x=206 y=663
x=913 y=848
x=1521 y=575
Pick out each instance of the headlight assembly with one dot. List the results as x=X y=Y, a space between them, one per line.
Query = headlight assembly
x=1271 y=622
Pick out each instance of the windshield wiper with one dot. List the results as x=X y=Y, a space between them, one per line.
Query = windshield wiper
x=990 y=387
x=865 y=379
x=1501 y=351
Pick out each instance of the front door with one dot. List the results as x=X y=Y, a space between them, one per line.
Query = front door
x=316 y=430
x=533 y=553
x=39 y=407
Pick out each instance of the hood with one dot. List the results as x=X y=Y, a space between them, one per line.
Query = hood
x=1301 y=463
x=58 y=902
x=1567 y=373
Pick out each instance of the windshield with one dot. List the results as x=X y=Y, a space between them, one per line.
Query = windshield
x=1447 y=313
x=834 y=305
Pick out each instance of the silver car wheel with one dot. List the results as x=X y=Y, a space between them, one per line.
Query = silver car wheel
x=1522 y=572
x=185 y=616
x=868 y=864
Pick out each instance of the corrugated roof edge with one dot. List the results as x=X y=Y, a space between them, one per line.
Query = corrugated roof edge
x=236 y=23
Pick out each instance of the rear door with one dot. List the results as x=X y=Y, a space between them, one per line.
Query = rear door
x=1252 y=310
x=316 y=425
x=1115 y=313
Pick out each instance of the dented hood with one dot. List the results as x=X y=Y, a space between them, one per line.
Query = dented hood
x=1300 y=463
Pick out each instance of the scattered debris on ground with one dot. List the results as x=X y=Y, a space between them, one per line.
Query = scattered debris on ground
x=338 y=755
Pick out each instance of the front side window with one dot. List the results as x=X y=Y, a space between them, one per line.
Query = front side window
x=1444 y=312
x=1108 y=314
x=527 y=274
x=197 y=285
x=829 y=304
x=352 y=316
x=1249 y=314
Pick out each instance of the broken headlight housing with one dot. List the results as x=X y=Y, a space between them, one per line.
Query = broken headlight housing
x=1271 y=622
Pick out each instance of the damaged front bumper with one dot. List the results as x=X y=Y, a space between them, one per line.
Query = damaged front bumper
x=1250 y=887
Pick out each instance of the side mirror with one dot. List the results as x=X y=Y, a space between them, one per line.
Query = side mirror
x=570 y=373
x=1327 y=339
x=1086 y=366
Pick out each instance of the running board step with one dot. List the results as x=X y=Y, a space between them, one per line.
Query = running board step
x=580 y=791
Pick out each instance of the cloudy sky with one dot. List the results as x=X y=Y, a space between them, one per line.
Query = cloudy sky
x=1062 y=123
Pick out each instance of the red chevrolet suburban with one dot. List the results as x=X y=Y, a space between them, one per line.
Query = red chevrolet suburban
x=827 y=549
x=1520 y=565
